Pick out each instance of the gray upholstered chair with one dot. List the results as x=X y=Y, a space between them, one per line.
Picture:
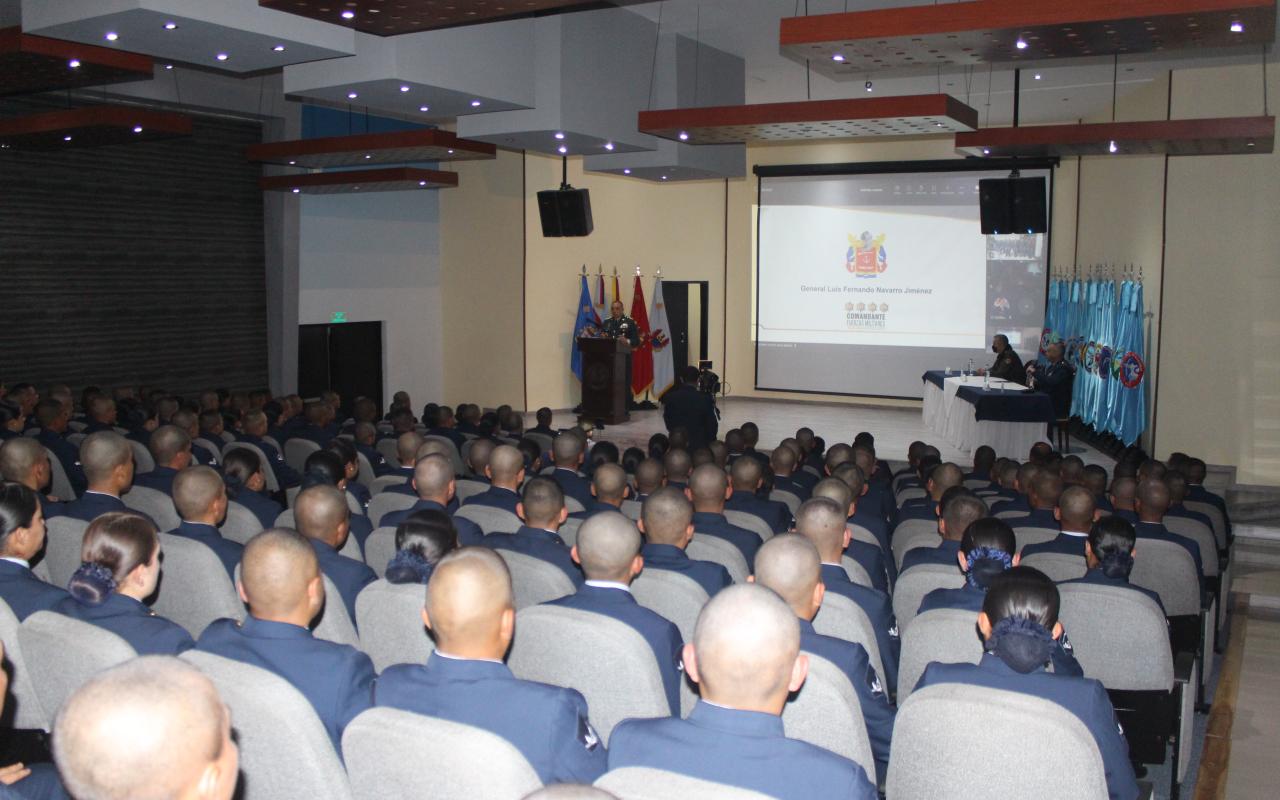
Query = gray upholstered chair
x=1202 y=535
x=59 y=484
x=535 y=581
x=64 y=537
x=296 y=452
x=490 y=519
x=1131 y=650
x=155 y=504
x=390 y=620
x=383 y=482
x=1058 y=566
x=705 y=547
x=643 y=783
x=396 y=755
x=569 y=531
x=604 y=659
x=465 y=488
x=573 y=504
x=334 y=624
x=855 y=572
x=142 y=460
x=379 y=549
x=458 y=467
x=22 y=709
x=386 y=502
x=285 y=753
x=749 y=521
x=1216 y=520
x=1026 y=536
x=791 y=501
x=844 y=619
x=913 y=533
x=946 y=635
x=241 y=524
x=61 y=653
x=1167 y=569
x=918 y=581
x=388 y=449
x=933 y=747
x=632 y=508
x=826 y=712
x=194 y=586
x=672 y=596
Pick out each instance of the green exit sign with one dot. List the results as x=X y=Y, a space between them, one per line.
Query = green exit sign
x=339 y=316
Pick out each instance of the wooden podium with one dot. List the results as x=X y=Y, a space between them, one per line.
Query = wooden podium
x=606 y=383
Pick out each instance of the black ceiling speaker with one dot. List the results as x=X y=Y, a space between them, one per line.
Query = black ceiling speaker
x=565 y=211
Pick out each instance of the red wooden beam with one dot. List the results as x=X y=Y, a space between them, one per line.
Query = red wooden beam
x=1227 y=135
x=37 y=63
x=90 y=126
x=391 y=179
x=396 y=147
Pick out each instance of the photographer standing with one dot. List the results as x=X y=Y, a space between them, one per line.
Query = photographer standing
x=695 y=411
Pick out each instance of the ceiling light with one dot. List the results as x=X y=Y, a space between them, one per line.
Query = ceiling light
x=368 y=155
x=1021 y=44
x=278 y=48
x=450 y=152
x=137 y=129
x=664 y=177
x=352 y=95
x=562 y=150
x=295 y=191
x=986 y=151
x=837 y=57
x=559 y=135
x=424 y=109
x=348 y=15
x=168 y=66
x=112 y=36
x=1248 y=144
x=626 y=172
x=222 y=56
x=608 y=146
x=404 y=88
x=1112 y=147
x=868 y=86
x=475 y=103
x=293 y=163
x=1237 y=27
x=684 y=136
x=422 y=183
x=74 y=63
x=171 y=26
x=66 y=138
x=937 y=124
x=1037 y=76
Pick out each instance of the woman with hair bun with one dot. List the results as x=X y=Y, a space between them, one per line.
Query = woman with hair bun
x=245 y=480
x=22 y=539
x=1109 y=553
x=120 y=568
x=421 y=541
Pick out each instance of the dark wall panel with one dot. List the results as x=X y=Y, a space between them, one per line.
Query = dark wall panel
x=135 y=264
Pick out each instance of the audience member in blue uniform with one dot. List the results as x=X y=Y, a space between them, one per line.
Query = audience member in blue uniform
x=245 y=482
x=212 y=427
x=867 y=555
x=319 y=427
x=942 y=479
x=608 y=490
x=747 y=476
x=12 y=421
x=120 y=568
x=785 y=478
x=984 y=460
x=789 y=565
x=407 y=447
x=478 y=460
x=648 y=478
x=150 y=727
x=677 y=464
x=1196 y=470
x=1075 y=515
x=421 y=541
x=746 y=659
x=446 y=426
x=253 y=429
x=365 y=439
x=24 y=460
x=434 y=482
x=709 y=489
x=108 y=465
x=53 y=417
x=1153 y=499
x=608 y=549
x=568 y=453
x=100 y=414
x=280 y=580
x=1019 y=622
x=170 y=448
x=1043 y=499
x=190 y=423
x=542 y=509
x=822 y=522
x=667 y=524
x=325 y=468
x=346 y=451
x=505 y=471
x=200 y=498
x=1109 y=554
x=21 y=539
x=1177 y=483
x=470 y=610
x=960 y=511
x=322 y=516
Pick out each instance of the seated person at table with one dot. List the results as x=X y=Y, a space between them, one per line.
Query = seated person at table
x=745 y=657
x=1019 y=622
x=421 y=541
x=1109 y=553
x=1075 y=515
x=505 y=472
x=789 y=565
x=245 y=481
x=470 y=610
x=960 y=509
x=1054 y=380
x=120 y=568
x=1007 y=365
x=21 y=539
x=542 y=509
x=148 y=728
x=280 y=580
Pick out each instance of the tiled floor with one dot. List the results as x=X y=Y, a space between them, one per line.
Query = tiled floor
x=1253 y=771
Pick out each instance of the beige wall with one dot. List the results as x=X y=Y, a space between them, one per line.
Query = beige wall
x=1219 y=394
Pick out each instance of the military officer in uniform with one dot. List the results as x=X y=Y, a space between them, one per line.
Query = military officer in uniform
x=620 y=326
x=1007 y=365
x=1054 y=380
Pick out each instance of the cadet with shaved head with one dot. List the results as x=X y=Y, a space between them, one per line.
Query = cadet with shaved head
x=170 y=448
x=505 y=472
x=649 y=478
x=53 y=416
x=608 y=490
x=960 y=509
x=1027 y=474
x=568 y=452
x=869 y=556
x=1043 y=499
x=608 y=549
x=746 y=659
x=666 y=520
x=107 y=459
x=470 y=610
x=322 y=515
x=200 y=497
x=789 y=565
x=24 y=460
x=253 y=428
x=1075 y=514
x=822 y=522
x=478 y=459
x=784 y=462
x=542 y=509
x=1151 y=505
x=1124 y=498
x=677 y=464
x=708 y=490
x=939 y=480
x=280 y=580
x=153 y=728
x=747 y=477
x=433 y=481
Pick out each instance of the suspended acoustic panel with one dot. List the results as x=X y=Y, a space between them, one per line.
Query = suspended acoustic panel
x=409 y=16
x=398 y=147
x=1177 y=137
x=361 y=181
x=31 y=64
x=910 y=115
x=90 y=126
x=853 y=44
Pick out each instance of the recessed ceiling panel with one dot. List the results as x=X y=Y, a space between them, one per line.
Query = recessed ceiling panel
x=853 y=44
x=913 y=115
x=392 y=17
x=1177 y=137
x=398 y=147
x=362 y=181
x=90 y=126
x=39 y=64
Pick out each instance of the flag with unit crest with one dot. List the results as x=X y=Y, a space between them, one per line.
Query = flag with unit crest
x=664 y=371
x=642 y=355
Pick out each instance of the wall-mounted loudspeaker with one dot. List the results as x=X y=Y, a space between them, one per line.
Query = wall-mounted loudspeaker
x=565 y=212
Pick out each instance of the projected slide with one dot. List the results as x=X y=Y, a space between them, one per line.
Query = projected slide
x=865 y=281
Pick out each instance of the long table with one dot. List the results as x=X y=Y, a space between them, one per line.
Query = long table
x=1005 y=416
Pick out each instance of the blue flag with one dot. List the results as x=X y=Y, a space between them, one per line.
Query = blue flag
x=586 y=324
x=1131 y=414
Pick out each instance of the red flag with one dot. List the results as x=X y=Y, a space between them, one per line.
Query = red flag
x=642 y=355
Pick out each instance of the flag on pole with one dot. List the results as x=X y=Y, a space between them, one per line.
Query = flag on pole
x=587 y=321
x=642 y=355
x=617 y=293
x=664 y=370
x=602 y=310
x=1131 y=418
